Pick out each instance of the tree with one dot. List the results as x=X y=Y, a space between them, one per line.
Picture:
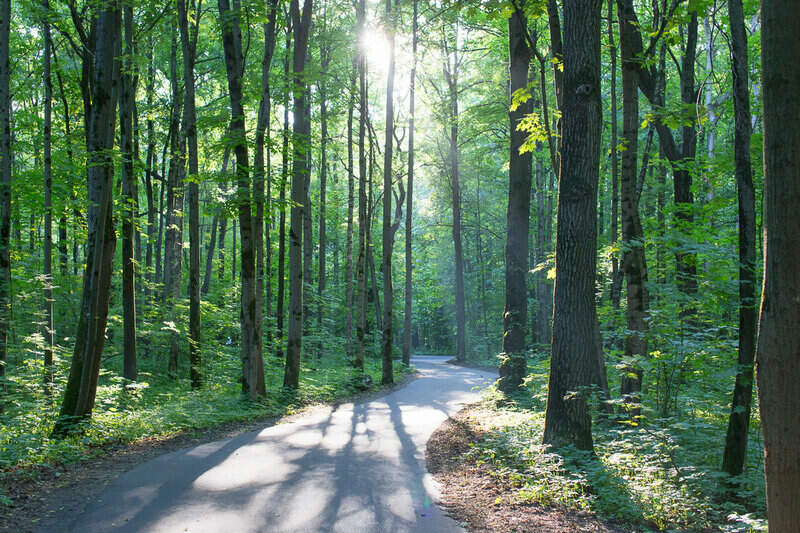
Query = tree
x=130 y=201
x=301 y=24
x=739 y=420
x=5 y=191
x=513 y=365
x=778 y=348
x=189 y=47
x=409 y=198
x=251 y=349
x=575 y=350
x=79 y=395
x=47 y=170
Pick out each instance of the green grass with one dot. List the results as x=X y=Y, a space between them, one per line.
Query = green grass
x=155 y=406
x=660 y=475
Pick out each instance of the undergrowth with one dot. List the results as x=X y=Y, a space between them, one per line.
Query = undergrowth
x=660 y=475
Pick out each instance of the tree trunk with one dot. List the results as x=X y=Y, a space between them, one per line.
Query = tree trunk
x=301 y=23
x=126 y=100
x=778 y=350
x=575 y=351
x=49 y=326
x=323 y=184
x=363 y=221
x=409 y=199
x=633 y=256
x=189 y=47
x=739 y=421
x=348 y=269
x=282 y=200
x=513 y=366
x=251 y=348
x=81 y=389
x=148 y=177
x=616 y=275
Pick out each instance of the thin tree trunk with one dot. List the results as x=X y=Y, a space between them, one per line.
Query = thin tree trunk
x=739 y=421
x=280 y=312
x=348 y=269
x=513 y=363
x=189 y=47
x=128 y=215
x=616 y=274
x=323 y=183
x=301 y=23
x=574 y=353
x=409 y=199
x=148 y=177
x=48 y=204
x=363 y=222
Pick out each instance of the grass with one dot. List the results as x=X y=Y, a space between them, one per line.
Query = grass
x=662 y=475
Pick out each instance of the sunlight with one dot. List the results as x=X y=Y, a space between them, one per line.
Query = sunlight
x=375 y=45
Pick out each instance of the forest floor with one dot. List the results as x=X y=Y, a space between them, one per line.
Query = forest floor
x=48 y=497
x=483 y=502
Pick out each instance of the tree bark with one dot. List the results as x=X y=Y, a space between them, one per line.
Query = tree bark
x=49 y=326
x=282 y=200
x=301 y=23
x=251 y=348
x=778 y=349
x=513 y=366
x=126 y=102
x=348 y=269
x=189 y=47
x=363 y=220
x=616 y=275
x=5 y=191
x=575 y=350
x=409 y=199
x=739 y=421
x=324 y=53
x=81 y=389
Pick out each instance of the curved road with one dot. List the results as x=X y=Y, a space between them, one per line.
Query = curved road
x=352 y=468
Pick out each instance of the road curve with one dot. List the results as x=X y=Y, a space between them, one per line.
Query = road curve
x=351 y=468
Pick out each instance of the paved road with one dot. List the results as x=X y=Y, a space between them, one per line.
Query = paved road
x=351 y=468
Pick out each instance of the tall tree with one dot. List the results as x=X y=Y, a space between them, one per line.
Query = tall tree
x=409 y=199
x=513 y=365
x=348 y=269
x=48 y=199
x=634 y=263
x=301 y=24
x=388 y=190
x=126 y=111
x=282 y=199
x=363 y=208
x=575 y=350
x=5 y=191
x=778 y=349
x=81 y=389
x=325 y=58
x=739 y=421
x=251 y=348
x=189 y=48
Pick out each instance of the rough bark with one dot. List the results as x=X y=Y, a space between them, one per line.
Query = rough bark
x=513 y=364
x=301 y=23
x=81 y=389
x=778 y=348
x=739 y=421
x=251 y=348
x=575 y=350
x=633 y=256
x=48 y=330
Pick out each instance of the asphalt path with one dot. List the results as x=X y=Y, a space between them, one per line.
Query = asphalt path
x=349 y=468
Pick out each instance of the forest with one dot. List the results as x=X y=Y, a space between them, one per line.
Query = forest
x=215 y=212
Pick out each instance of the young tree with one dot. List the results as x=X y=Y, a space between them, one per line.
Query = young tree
x=301 y=23
x=513 y=365
x=575 y=350
x=79 y=395
x=778 y=349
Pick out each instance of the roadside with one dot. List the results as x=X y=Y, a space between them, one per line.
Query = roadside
x=45 y=497
x=483 y=502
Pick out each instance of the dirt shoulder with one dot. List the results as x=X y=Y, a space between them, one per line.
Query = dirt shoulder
x=482 y=502
x=49 y=497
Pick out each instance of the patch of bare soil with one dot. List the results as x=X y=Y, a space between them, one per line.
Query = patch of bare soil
x=49 y=498
x=484 y=503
